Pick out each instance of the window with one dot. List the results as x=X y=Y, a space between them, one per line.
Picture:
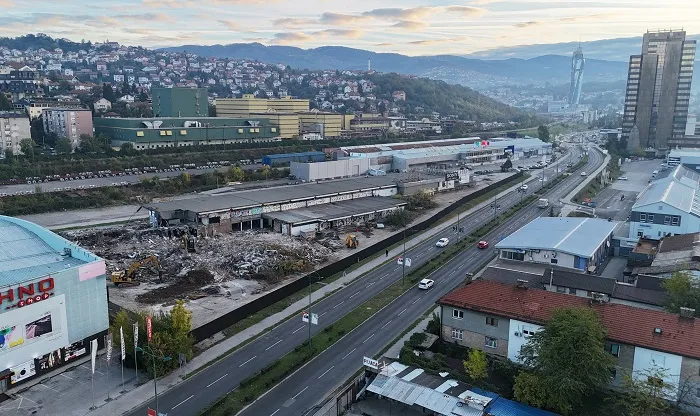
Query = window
x=162 y=132
x=642 y=217
x=491 y=321
x=561 y=289
x=650 y=217
x=457 y=334
x=667 y=219
x=273 y=129
x=457 y=314
x=613 y=349
x=554 y=261
x=640 y=233
x=139 y=134
x=183 y=132
x=572 y=291
x=169 y=132
x=490 y=342
x=675 y=220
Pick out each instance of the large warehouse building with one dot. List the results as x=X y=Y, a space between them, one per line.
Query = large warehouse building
x=288 y=209
x=151 y=133
x=53 y=301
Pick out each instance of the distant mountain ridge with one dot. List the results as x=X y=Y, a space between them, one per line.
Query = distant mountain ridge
x=475 y=73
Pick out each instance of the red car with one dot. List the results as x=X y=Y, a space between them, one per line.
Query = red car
x=482 y=244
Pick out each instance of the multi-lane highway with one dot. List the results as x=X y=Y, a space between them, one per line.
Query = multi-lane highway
x=318 y=378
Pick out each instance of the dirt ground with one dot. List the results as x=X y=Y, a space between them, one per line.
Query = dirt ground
x=227 y=270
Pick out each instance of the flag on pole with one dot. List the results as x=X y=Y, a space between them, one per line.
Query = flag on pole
x=148 y=328
x=136 y=335
x=121 y=337
x=93 y=350
x=109 y=347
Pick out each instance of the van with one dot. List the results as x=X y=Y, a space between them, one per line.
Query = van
x=654 y=173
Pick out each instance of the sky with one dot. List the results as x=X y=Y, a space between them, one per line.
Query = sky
x=410 y=27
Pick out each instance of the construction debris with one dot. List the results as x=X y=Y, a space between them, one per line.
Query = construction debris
x=263 y=256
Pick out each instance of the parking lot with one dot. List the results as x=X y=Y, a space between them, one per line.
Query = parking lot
x=609 y=202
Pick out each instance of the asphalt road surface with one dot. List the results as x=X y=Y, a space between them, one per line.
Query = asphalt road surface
x=336 y=364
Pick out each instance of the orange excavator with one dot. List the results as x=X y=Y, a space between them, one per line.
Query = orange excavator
x=128 y=276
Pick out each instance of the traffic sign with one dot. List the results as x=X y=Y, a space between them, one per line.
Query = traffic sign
x=151 y=412
x=305 y=316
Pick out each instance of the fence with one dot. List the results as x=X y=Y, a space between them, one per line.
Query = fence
x=337 y=404
x=219 y=324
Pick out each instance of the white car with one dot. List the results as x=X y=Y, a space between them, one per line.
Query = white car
x=622 y=178
x=426 y=284
x=583 y=173
x=524 y=187
x=442 y=242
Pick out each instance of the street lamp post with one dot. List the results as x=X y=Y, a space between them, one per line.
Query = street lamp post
x=164 y=358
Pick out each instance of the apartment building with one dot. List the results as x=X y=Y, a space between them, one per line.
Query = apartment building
x=499 y=318
x=68 y=122
x=13 y=128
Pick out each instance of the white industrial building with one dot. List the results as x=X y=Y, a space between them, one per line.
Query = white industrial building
x=688 y=157
x=576 y=243
x=668 y=206
x=329 y=170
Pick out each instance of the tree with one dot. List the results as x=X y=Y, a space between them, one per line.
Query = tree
x=27 y=147
x=568 y=358
x=235 y=173
x=529 y=389
x=682 y=290
x=127 y=149
x=645 y=393
x=37 y=130
x=506 y=166
x=5 y=104
x=123 y=320
x=543 y=133
x=475 y=365
x=108 y=93
x=434 y=326
x=64 y=146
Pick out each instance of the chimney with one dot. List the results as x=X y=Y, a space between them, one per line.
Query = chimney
x=687 y=312
x=522 y=283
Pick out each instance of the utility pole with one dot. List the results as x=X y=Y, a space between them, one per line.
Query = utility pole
x=403 y=261
x=309 y=310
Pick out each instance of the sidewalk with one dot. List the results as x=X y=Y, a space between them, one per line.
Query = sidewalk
x=34 y=401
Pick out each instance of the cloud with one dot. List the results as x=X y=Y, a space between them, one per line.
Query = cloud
x=293 y=22
x=300 y=37
x=231 y=25
x=411 y=25
x=291 y=37
x=597 y=16
x=434 y=41
x=415 y=13
x=528 y=24
x=344 y=33
x=342 y=19
x=465 y=10
x=384 y=44
x=169 y=4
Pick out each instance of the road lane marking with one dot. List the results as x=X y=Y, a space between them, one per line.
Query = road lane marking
x=299 y=329
x=275 y=412
x=404 y=310
x=273 y=345
x=384 y=276
x=368 y=338
x=247 y=361
x=338 y=304
x=182 y=402
x=416 y=300
x=370 y=284
x=356 y=293
x=323 y=314
x=218 y=379
x=297 y=395
x=346 y=355
x=386 y=324
x=452 y=272
x=325 y=372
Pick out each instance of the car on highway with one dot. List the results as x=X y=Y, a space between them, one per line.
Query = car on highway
x=583 y=173
x=443 y=242
x=622 y=178
x=426 y=284
x=524 y=187
x=482 y=244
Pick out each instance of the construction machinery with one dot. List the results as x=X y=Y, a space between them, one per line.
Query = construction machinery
x=128 y=276
x=351 y=241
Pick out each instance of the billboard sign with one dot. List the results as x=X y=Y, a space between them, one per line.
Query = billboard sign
x=31 y=331
x=22 y=371
x=452 y=176
x=28 y=294
x=371 y=363
x=50 y=360
x=75 y=350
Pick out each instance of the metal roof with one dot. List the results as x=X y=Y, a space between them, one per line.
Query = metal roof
x=335 y=211
x=505 y=407
x=28 y=251
x=679 y=190
x=279 y=194
x=284 y=155
x=576 y=236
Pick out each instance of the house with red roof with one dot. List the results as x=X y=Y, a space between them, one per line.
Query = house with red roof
x=498 y=319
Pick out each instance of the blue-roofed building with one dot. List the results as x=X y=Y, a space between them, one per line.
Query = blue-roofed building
x=576 y=243
x=53 y=301
x=668 y=206
x=286 y=158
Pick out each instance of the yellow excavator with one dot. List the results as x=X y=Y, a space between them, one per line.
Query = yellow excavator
x=128 y=276
x=351 y=241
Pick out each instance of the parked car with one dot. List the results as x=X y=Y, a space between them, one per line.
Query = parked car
x=426 y=284
x=442 y=242
x=622 y=178
x=524 y=187
x=482 y=244
x=583 y=173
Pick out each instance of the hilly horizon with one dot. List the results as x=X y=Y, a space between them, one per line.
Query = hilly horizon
x=472 y=72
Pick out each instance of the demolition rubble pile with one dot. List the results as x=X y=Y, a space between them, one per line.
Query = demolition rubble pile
x=266 y=257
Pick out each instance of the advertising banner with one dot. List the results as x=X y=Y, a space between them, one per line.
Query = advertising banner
x=75 y=350
x=136 y=335
x=50 y=360
x=30 y=331
x=93 y=351
x=305 y=316
x=22 y=371
x=148 y=328
x=121 y=337
x=109 y=347
x=371 y=363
